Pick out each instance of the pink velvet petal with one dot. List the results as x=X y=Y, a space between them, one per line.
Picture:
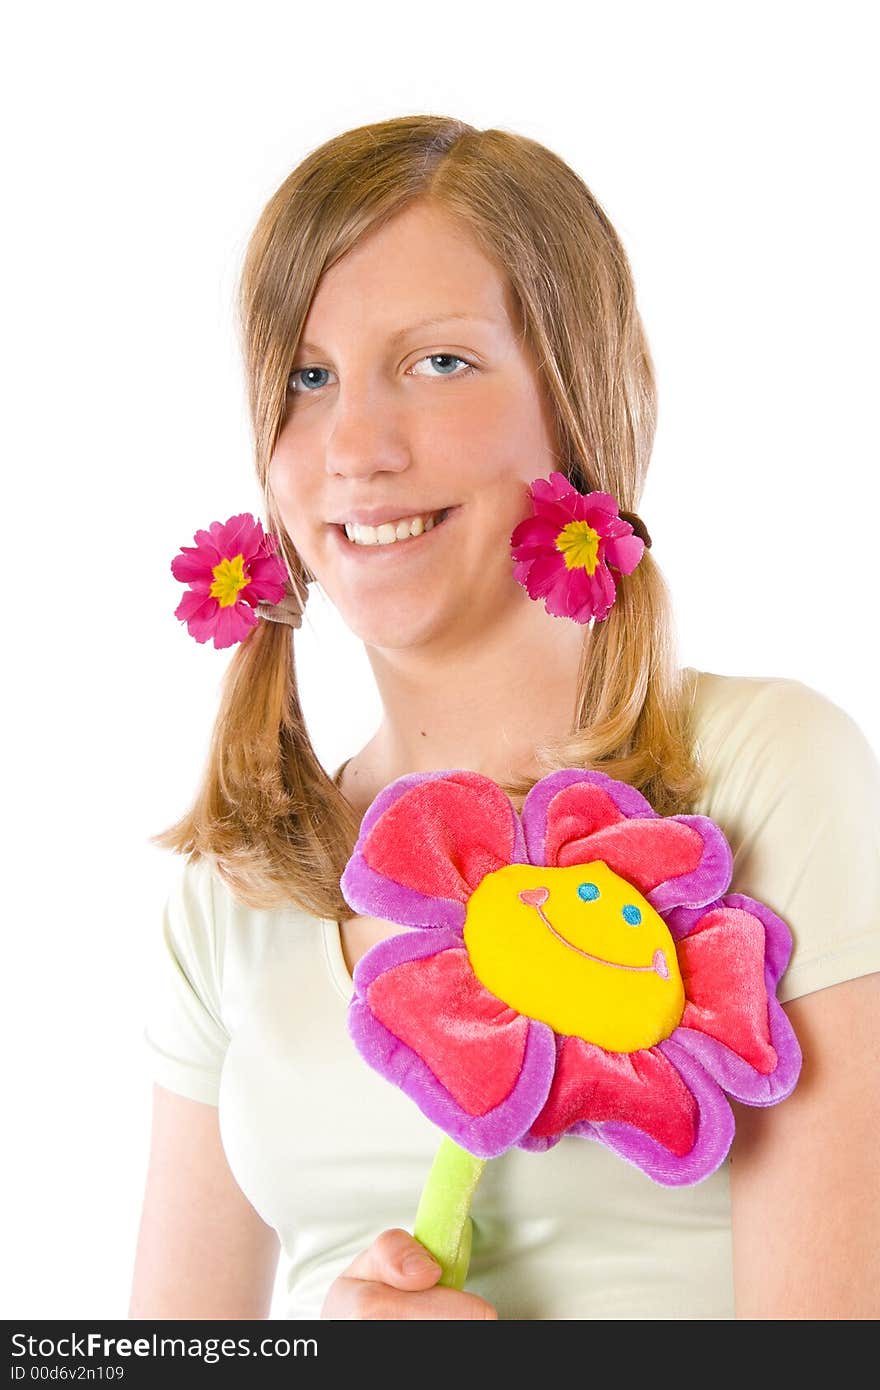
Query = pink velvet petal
x=738 y=1077
x=574 y=816
x=575 y=813
x=714 y=1130
x=646 y=853
x=572 y=804
x=442 y=836
x=472 y=1041
x=722 y=969
x=638 y=1088
x=485 y=1134
x=393 y=951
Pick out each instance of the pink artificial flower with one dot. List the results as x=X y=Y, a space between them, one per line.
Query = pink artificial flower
x=564 y=550
x=232 y=568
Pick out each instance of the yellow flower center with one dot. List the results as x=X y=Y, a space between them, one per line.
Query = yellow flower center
x=579 y=544
x=578 y=948
x=229 y=580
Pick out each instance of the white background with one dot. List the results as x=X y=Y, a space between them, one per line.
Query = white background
x=733 y=147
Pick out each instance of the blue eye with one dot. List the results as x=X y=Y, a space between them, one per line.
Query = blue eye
x=299 y=389
x=631 y=914
x=298 y=386
x=588 y=892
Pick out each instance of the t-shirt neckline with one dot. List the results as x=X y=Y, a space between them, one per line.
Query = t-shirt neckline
x=339 y=971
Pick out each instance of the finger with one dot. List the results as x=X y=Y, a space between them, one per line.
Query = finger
x=398 y=1259
x=439 y=1303
x=366 y=1299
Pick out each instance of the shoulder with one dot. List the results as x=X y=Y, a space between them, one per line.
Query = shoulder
x=210 y=921
x=757 y=735
x=794 y=784
x=723 y=703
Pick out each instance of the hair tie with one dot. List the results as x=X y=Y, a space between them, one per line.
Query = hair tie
x=638 y=526
x=287 y=611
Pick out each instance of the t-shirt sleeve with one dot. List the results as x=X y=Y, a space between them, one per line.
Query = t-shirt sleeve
x=185 y=1033
x=801 y=808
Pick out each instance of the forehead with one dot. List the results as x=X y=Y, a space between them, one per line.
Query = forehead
x=422 y=265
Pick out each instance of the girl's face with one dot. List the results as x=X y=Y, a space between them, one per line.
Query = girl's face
x=387 y=413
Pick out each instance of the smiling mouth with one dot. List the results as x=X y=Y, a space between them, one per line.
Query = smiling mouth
x=658 y=964
x=406 y=541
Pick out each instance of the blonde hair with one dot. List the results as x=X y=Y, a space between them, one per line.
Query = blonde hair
x=275 y=824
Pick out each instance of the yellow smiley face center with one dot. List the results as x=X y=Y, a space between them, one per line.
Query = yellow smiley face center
x=579 y=949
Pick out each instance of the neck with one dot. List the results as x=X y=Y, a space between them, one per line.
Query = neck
x=481 y=701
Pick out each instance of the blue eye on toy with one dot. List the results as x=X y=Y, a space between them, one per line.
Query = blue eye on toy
x=632 y=914
x=588 y=892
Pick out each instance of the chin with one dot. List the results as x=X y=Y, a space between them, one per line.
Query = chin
x=393 y=626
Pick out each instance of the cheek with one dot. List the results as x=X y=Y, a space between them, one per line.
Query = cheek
x=507 y=448
x=282 y=479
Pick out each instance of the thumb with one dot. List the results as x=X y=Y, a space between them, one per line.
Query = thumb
x=398 y=1259
x=418 y=1266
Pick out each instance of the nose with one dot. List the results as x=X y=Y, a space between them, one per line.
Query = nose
x=535 y=897
x=366 y=438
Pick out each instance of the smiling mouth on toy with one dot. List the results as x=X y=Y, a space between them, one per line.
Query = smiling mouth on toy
x=658 y=964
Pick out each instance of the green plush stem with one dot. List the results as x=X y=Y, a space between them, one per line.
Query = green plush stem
x=442 y=1222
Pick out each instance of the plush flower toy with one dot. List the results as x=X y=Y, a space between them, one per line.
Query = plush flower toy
x=575 y=969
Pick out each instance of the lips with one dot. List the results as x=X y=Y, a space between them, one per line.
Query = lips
x=376 y=516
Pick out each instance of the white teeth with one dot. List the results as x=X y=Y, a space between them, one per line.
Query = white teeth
x=390 y=531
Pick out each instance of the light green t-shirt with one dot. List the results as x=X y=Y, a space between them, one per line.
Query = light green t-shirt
x=250 y=1014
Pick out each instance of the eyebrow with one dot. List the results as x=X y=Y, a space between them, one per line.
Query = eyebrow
x=433 y=321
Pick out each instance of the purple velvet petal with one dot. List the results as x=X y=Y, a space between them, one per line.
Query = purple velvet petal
x=373 y=894
x=731 y=1071
x=396 y=950
x=485 y=1136
x=711 y=876
x=714 y=1133
x=681 y=921
x=738 y=1077
x=777 y=951
x=628 y=801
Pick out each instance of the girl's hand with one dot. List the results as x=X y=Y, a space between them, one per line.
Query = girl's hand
x=394 y=1278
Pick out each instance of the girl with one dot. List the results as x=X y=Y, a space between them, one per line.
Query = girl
x=433 y=317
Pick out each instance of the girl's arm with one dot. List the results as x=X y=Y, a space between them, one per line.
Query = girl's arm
x=202 y=1252
x=805 y=1175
